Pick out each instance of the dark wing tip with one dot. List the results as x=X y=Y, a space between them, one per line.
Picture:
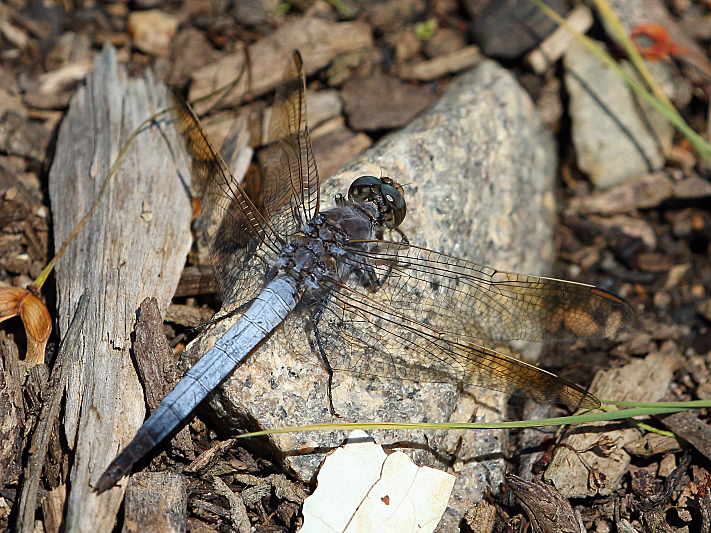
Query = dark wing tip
x=587 y=401
x=555 y=389
x=620 y=316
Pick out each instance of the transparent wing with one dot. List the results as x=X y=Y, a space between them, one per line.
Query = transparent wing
x=474 y=301
x=242 y=246
x=291 y=187
x=364 y=337
x=410 y=313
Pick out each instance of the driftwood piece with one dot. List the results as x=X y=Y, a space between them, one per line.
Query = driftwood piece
x=133 y=246
x=318 y=40
x=52 y=401
x=156 y=502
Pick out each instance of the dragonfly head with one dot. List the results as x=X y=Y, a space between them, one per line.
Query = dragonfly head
x=383 y=192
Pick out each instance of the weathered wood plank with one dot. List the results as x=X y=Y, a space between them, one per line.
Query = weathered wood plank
x=133 y=246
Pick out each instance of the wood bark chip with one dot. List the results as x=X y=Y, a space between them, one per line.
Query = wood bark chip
x=121 y=255
x=653 y=502
x=554 y=46
x=335 y=145
x=153 y=355
x=441 y=66
x=156 y=366
x=238 y=510
x=480 y=517
x=22 y=138
x=207 y=457
x=11 y=408
x=318 y=40
x=156 y=502
x=690 y=427
x=547 y=510
x=645 y=192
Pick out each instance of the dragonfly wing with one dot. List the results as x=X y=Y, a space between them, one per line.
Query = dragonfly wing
x=472 y=301
x=364 y=336
x=291 y=187
x=241 y=244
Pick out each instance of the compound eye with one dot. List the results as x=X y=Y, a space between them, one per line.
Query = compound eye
x=363 y=189
x=395 y=200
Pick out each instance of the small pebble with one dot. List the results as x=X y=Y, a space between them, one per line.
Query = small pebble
x=152 y=31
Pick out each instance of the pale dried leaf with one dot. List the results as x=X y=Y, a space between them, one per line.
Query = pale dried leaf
x=363 y=489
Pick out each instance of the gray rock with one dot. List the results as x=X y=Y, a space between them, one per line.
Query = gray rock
x=478 y=172
x=616 y=137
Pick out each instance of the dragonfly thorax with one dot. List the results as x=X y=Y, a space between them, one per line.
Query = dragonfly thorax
x=315 y=252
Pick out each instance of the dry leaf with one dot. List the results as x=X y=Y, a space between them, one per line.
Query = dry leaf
x=35 y=317
x=363 y=489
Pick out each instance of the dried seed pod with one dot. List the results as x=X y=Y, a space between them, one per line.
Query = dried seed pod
x=35 y=317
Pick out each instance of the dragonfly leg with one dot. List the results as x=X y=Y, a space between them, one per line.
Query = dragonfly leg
x=316 y=317
x=403 y=237
x=214 y=320
x=372 y=279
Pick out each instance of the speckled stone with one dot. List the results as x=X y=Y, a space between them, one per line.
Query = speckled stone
x=478 y=172
x=616 y=136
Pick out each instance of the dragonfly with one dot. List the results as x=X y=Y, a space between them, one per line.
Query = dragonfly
x=352 y=300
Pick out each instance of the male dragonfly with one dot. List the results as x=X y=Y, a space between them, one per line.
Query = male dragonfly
x=349 y=298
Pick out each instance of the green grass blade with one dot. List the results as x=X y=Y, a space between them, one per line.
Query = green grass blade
x=640 y=409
